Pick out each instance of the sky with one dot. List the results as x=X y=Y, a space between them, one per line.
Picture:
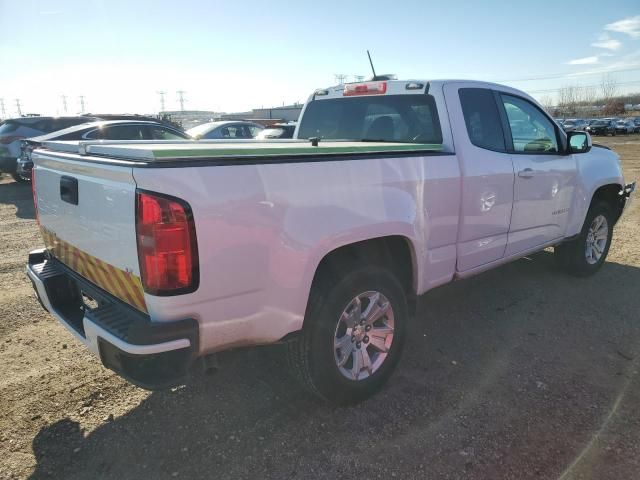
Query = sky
x=231 y=56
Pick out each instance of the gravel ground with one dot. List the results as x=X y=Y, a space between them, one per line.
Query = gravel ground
x=521 y=372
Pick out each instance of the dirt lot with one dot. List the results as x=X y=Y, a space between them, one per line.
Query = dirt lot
x=521 y=372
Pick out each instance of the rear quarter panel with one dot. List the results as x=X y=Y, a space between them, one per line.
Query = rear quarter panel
x=263 y=229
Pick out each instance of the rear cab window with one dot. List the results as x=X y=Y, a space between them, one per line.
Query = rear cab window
x=162 y=133
x=126 y=132
x=383 y=118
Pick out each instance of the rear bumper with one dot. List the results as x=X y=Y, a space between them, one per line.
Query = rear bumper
x=149 y=354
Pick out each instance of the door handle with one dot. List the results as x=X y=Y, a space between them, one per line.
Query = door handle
x=526 y=173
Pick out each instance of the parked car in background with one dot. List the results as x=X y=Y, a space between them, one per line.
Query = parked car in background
x=574 y=125
x=602 y=127
x=636 y=123
x=226 y=129
x=103 y=130
x=625 y=126
x=15 y=129
x=277 y=130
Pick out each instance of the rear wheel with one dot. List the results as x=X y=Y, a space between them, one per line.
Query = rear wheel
x=585 y=255
x=353 y=335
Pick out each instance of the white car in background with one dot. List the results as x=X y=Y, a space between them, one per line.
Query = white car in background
x=225 y=129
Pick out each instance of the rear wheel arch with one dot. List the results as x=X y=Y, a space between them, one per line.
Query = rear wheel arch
x=395 y=253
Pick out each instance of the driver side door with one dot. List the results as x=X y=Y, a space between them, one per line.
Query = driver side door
x=544 y=176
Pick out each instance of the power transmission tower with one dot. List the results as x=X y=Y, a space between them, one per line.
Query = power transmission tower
x=181 y=99
x=162 y=93
x=64 y=103
x=81 y=98
x=340 y=78
x=18 y=107
x=4 y=113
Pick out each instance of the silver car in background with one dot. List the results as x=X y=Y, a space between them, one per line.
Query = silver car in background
x=574 y=125
x=226 y=129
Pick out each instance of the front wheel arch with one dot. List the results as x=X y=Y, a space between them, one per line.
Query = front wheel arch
x=609 y=194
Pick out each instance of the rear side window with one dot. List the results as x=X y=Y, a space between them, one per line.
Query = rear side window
x=482 y=118
x=161 y=133
x=386 y=118
x=254 y=130
x=94 y=134
x=236 y=131
x=126 y=132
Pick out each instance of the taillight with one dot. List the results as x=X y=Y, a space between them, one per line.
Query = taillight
x=167 y=247
x=367 y=88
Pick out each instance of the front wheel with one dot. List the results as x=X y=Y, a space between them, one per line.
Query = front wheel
x=353 y=335
x=585 y=255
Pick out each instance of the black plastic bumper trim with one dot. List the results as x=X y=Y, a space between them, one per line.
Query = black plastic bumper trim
x=66 y=290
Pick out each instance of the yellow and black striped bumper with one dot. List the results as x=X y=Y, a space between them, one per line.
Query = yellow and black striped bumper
x=119 y=283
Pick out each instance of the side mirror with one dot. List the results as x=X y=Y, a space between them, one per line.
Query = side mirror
x=579 y=142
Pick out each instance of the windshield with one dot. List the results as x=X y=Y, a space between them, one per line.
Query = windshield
x=601 y=122
x=390 y=118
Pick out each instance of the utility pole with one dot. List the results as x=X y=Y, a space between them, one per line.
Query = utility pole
x=358 y=78
x=18 y=107
x=64 y=103
x=162 y=93
x=81 y=98
x=4 y=113
x=340 y=78
x=181 y=99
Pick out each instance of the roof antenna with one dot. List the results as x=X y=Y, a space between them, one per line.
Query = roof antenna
x=375 y=77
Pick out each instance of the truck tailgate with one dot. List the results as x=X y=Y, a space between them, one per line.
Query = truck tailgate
x=87 y=218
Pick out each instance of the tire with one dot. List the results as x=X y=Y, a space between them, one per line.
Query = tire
x=19 y=179
x=313 y=356
x=576 y=257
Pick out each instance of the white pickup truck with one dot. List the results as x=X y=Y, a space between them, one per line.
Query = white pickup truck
x=158 y=254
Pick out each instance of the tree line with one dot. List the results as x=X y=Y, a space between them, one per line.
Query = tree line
x=602 y=100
